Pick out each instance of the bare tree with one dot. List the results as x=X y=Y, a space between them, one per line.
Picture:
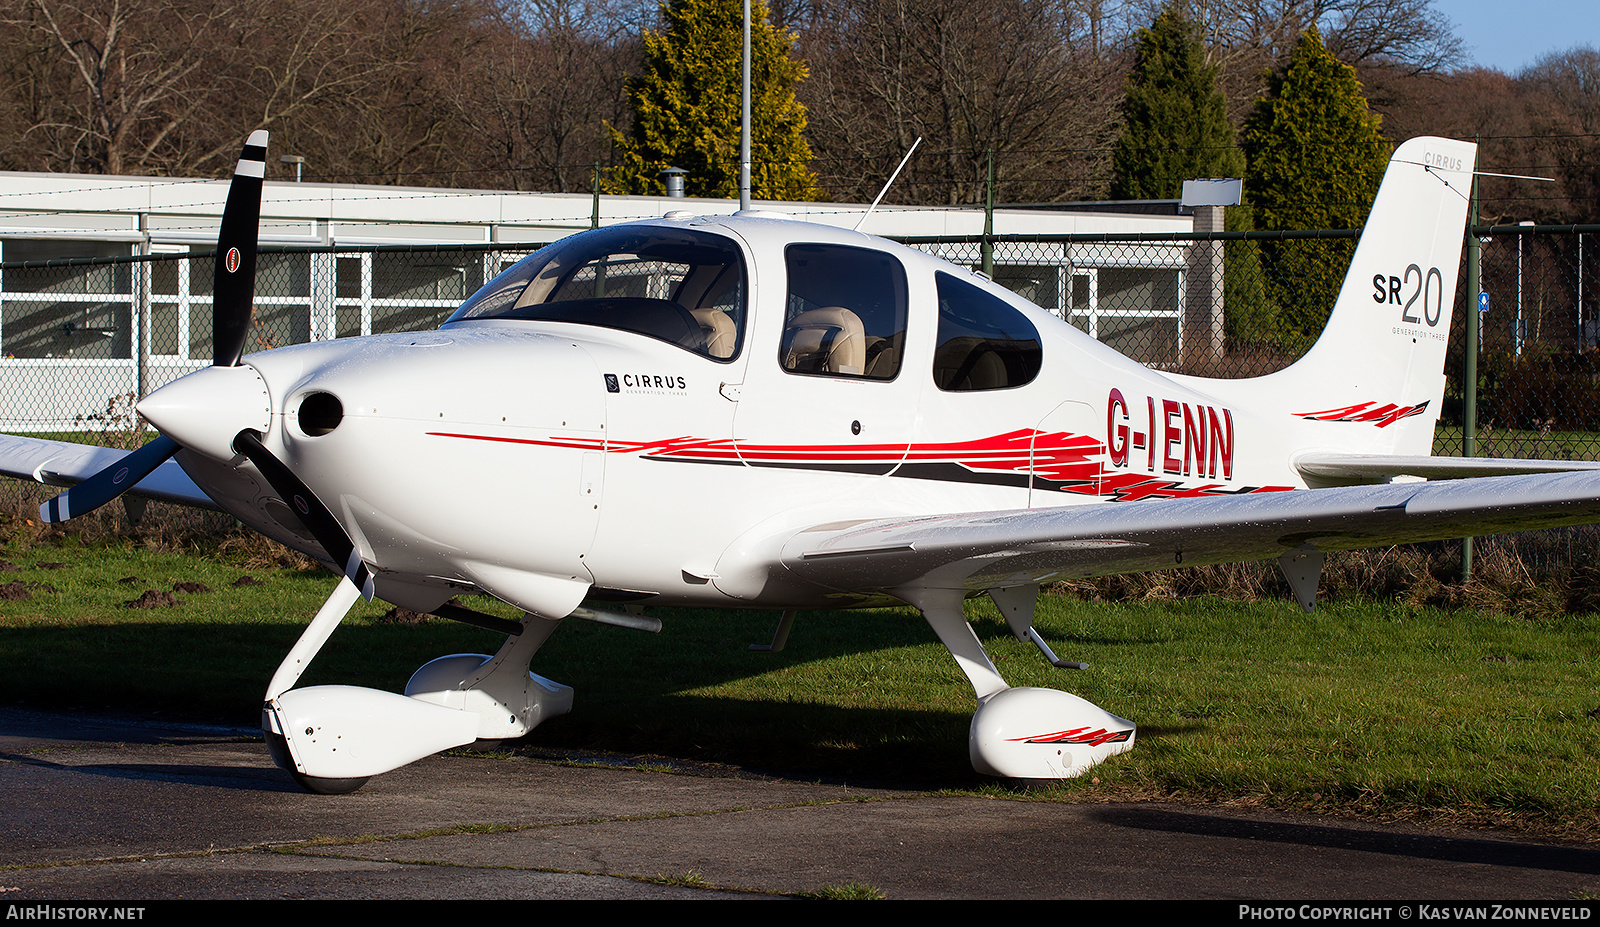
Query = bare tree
x=548 y=80
x=170 y=86
x=1562 y=94
x=390 y=122
x=1018 y=76
x=127 y=72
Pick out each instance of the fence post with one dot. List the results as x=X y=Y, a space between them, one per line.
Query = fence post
x=141 y=313
x=1469 y=378
x=987 y=248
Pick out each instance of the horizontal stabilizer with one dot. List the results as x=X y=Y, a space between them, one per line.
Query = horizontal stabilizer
x=1375 y=467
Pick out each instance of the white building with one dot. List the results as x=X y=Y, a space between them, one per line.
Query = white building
x=75 y=335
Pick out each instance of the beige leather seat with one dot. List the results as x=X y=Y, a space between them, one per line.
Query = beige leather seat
x=721 y=335
x=827 y=340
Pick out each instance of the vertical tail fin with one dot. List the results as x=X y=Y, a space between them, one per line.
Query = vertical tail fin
x=1380 y=360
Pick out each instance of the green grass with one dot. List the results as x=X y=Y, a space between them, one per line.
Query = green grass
x=1361 y=707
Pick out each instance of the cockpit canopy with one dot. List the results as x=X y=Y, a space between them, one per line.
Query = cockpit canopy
x=681 y=286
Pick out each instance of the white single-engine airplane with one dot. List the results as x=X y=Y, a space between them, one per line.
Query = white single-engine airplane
x=754 y=412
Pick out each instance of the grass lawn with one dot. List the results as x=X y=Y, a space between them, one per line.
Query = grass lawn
x=1361 y=707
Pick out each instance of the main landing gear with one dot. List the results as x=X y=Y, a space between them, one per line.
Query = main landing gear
x=1021 y=733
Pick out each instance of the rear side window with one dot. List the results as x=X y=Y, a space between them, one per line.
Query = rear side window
x=846 y=312
x=984 y=342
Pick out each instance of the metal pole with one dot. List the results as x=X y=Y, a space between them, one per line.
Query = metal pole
x=744 y=124
x=1518 y=333
x=594 y=210
x=1469 y=377
x=142 y=315
x=987 y=248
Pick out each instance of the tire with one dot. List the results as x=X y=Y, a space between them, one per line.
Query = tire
x=279 y=749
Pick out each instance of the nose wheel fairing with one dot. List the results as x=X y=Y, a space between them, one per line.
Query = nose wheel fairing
x=349 y=732
x=332 y=738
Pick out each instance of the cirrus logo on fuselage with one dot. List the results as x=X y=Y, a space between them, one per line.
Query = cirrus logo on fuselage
x=646 y=383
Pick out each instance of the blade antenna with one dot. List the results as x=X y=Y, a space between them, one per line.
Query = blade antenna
x=857 y=226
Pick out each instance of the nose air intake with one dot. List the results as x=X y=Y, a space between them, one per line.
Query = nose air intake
x=320 y=413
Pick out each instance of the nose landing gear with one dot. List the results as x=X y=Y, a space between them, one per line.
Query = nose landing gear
x=332 y=739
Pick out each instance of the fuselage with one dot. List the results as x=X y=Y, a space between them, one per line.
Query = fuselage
x=554 y=446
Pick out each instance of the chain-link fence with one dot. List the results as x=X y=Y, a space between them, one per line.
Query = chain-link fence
x=83 y=337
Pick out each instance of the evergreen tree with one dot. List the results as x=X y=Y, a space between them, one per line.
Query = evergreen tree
x=1175 y=121
x=686 y=106
x=1175 y=128
x=1315 y=162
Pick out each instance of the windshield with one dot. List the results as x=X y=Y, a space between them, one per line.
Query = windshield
x=676 y=285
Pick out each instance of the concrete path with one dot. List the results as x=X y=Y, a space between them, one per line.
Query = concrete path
x=97 y=807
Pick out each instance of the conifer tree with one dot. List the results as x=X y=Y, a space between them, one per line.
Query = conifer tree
x=686 y=106
x=1175 y=121
x=1175 y=128
x=1315 y=160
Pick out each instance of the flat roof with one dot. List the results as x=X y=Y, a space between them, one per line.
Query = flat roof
x=181 y=211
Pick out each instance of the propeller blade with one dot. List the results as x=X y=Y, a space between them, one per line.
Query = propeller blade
x=235 y=283
x=109 y=483
x=233 y=294
x=308 y=508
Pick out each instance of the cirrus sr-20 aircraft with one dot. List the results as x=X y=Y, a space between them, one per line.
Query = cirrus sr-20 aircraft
x=752 y=412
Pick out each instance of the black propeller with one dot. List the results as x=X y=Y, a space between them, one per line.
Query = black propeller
x=235 y=281
x=109 y=483
x=233 y=295
x=308 y=508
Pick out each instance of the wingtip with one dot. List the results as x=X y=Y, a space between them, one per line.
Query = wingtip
x=258 y=138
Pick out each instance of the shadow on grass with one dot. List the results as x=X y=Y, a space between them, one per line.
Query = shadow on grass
x=694 y=692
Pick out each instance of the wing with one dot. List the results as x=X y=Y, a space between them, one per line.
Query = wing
x=988 y=550
x=62 y=463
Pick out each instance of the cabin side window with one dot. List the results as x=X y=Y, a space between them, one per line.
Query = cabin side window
x=984 y=342
x=680 y=286
x=846 y=312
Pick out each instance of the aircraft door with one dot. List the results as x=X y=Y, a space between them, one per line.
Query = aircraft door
x=1067 y=457
x=828 y=387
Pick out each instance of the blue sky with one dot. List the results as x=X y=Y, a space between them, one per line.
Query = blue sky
x=1511 y=34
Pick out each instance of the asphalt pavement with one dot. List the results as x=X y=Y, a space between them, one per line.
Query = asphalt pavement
x=99 y=807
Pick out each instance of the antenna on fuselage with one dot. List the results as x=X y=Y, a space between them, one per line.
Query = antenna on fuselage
x=886 y=186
